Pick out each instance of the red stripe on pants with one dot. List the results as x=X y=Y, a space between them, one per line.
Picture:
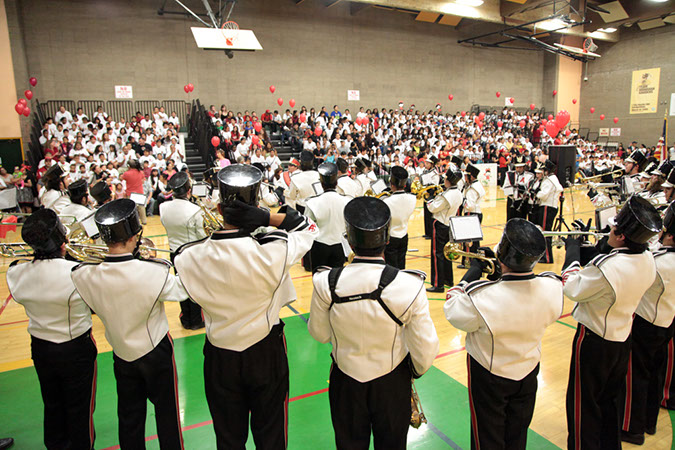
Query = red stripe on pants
x=474 y=421
x=577 y=389
x=175 y=391
x=669 y=374
x=629 y=394
x=433 y=252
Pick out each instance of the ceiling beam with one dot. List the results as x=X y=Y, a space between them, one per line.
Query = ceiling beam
x=637 y=12
x=355 y=8
x=330 y=3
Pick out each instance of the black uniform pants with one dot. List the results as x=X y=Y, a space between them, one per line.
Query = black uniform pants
x=394 y=253
x=546 y=217
x=501 y=409
x=326 y=255
x=667 y=368
x=253 y=381
x=597 y=376
x=380 y=406
x=441 y=268
x=151 y=377
x=644 y=382
x=190 y=312
x=428 y=220
x=67 y=375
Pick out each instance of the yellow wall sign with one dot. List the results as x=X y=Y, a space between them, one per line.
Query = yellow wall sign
x=644 y=94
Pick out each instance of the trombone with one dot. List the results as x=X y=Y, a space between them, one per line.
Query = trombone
x=417 y=189
x=615 y=174
x=81 y=252
x=453 y=251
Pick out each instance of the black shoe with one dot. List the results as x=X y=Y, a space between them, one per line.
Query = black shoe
x=436 y=289
x=461 y=266
x=197 y=326
x=651 y=431
x=633 y=438
x=6 y=443
x=427 y=237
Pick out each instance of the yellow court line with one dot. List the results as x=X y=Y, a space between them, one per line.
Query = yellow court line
x=13 y=365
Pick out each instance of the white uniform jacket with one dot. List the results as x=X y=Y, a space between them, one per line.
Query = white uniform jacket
x=56 y=312
x=364 y=182
x=658 y=304
x=472 y=197
x=128 y=295
x=301 y=187
x=328 y=211
x=348 y=186
x=80 y=212
x=520 y=182
x=549 y=192
x=608 y=291
x=508 y=344
x=241 y=282
x=445 y=205
x=366 y=342
x=54 y=200
x=402 y=206
x=183 y=221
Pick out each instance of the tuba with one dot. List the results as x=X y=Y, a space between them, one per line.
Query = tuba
x=420 y=191
x=211 y=221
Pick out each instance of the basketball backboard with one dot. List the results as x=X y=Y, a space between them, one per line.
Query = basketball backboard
x=218 y=39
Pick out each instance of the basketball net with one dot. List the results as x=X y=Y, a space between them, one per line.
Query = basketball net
x=229 y=30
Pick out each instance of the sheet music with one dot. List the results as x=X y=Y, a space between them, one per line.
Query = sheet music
x=429 y=179
x=139 y=199
x=379 y=186
x=318 y=189
x=200 y=190
x=89 y=225
x=465 y=228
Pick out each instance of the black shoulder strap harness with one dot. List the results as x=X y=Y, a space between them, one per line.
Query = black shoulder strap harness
x=388 y=275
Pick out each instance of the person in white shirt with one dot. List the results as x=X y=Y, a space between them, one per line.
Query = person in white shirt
x=374 y=360
x=505 y=349
x=272 y=160
x=174 y=119
x=258 y=157
x=62 y=113
x=607 y=292
x=79 y=201
x=59 y=323
x=548 y=198
x=401 y=205
x=345 y=184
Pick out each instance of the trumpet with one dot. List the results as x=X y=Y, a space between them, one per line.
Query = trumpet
x=453 y=251
x=615 y=174
x=558 y=234
x=211 y=221
x=417 y=189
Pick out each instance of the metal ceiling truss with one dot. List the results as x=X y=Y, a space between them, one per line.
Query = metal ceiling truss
x=216 y=19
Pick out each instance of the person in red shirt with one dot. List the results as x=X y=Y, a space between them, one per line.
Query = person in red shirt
x=503 y=163
x=134 y=178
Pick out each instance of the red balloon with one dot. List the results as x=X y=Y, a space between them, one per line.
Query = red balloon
x=463 y=113
x=532 y=106
x=522 y=124
x=191 y=87
x=567 y=132
x=23 y=101
x=552 y=129
x=450 y=97
x=29 y=94
x=476 y=119
x=557 y=141
x=32 y=81
x=602 y=117
x=358 y=121
x=554 y=92
x=272 y=89
x=498 y=94
x=291 y=102
x=480 y=124
x=215 y=141
x=19 y=108
x=303 y=118
x=255 y=140
x=257 y=127
x=550 y=117
x=574 y=101
x=186 y=88
x=562 y=118
x=499 y=124
x=542 y=128
x=318 y=131
x=616 y=120
x=280 y=101
x=365 y=121
x=544 y=122
x=481 y=116
x=26 y=111
x=592 y=110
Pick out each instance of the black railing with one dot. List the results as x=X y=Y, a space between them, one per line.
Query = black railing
x=201 y=131
x=120 y=108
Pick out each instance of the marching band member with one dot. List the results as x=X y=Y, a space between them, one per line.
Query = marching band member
x=504 y=350
x=370 y=378
x=654 y=189
x=633 y=166
x=327 y=211
x=401 y=205
x=128 y=295
x=293 y=168
x=183 y=222
x=268 y=195
x=607 y=293
x=443 y=207
x=548 y=197
x=652 y=329
x=429 y=177
x=302 y=183
x=668 y=187
x=63 y=350
x=51 y=196
x=101 y=193
x=245 y=363
x=533 y=215
x=515 y=186
x=362 y=178
x=473 y=194
x=346 y=185
x=79 y=200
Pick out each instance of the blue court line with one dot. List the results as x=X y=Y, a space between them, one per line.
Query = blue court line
x=443 y=437
x=297 y=313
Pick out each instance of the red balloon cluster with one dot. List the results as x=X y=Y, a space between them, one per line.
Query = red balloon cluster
x=21 y=106
x=189 y=88
x=552 y=129
x=215 y=141
x=562 y=118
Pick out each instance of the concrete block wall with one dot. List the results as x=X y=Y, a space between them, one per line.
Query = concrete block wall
x=609 y=84
x=81 y=49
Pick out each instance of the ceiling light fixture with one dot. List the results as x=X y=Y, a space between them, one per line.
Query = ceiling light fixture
x=659 y=1
x=606 y=30
x=470 y=2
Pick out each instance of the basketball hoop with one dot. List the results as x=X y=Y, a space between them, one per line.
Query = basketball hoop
x=230 y=30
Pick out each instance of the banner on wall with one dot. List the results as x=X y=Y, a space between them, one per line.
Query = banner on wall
x=603 y=132
x=488 y=174
x=353 y=95
x=615 y=132
x=509 y=101
x=672 y=104
x=124 y=92
x=644 y=93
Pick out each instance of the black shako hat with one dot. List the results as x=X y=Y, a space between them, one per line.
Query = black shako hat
x=306 y=160
x=669 y=219
x=118 y=221
x=77 y=189
x=638 y=158
x=44 y=232
x=101 y=192
x=328 y=174
x=638 y=220
x=453 y=174
x=367 y=220
x=239 y=182
x=522 y=245
x=398 y=177
x=180 y=183
x=472 y=170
